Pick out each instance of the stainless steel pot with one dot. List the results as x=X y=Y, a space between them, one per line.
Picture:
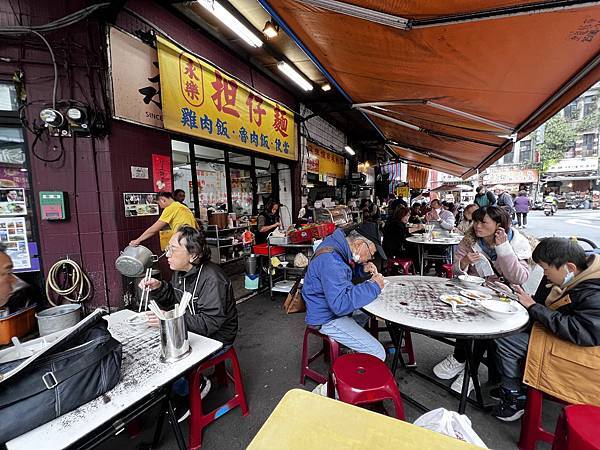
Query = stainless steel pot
x=134 y=261
x=58 y=318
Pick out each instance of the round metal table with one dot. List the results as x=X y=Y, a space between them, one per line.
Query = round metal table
x=420 y=241
x=411 y=303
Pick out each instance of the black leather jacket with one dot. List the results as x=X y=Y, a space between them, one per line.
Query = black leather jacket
x=216 y=315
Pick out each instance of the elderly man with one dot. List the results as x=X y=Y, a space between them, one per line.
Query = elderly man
x=442 y=218
x=340 y=280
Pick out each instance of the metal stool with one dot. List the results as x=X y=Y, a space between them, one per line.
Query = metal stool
x=330 y=351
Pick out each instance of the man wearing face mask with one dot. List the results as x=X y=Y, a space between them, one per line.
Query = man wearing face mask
x=339 y=281
x=565 y=333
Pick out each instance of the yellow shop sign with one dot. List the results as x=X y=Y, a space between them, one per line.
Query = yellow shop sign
x=200 y=100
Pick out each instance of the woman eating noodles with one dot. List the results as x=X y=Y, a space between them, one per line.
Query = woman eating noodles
x=491 y=247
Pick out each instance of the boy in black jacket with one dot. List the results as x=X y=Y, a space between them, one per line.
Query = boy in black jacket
x=577 y=321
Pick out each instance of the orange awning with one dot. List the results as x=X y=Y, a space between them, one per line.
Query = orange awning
x=448 y=84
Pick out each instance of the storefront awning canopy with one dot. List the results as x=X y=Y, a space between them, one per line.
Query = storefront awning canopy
x=450 y=85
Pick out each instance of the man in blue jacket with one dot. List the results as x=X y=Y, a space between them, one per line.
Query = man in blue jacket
x=332 y=297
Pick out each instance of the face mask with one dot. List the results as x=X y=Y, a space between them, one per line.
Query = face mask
x=568 y=277
x=438 y=210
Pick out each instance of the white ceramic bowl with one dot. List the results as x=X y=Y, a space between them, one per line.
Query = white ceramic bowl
x=471 y=280
x=499 y=309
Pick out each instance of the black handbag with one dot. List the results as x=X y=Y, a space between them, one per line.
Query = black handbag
x=83 y=365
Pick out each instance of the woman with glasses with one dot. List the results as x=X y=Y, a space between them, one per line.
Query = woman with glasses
x=212 y=311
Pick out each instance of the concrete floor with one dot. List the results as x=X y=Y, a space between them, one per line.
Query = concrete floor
x=269 y=347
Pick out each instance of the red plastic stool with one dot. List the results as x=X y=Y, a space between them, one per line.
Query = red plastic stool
x=576 y=428
x=531 y=425
x=330 y=351
x=361 y=378
x=448 y=271
x=407 y=348
x=199 y=420
x=406 y=265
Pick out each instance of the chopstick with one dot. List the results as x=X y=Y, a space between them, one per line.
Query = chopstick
x=156 y=310
x=145 y=291
x=502 y=292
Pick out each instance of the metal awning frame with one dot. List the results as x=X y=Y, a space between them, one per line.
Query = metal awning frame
x=423 y=130
x=423 y=152
x=405 y=24
x=454 y=111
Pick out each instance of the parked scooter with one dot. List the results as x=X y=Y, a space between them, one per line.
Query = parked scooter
x=550 y=208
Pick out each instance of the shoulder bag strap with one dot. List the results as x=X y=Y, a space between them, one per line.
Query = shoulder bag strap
x=32 y=384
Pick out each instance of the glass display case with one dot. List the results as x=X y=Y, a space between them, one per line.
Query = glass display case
x=340 y=215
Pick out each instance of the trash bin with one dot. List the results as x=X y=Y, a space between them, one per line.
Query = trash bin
x=251 y=264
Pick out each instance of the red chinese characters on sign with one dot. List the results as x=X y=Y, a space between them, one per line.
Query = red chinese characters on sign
x=225 y=95
x=280 y=123
x=255 y=110
x=161 y=173
x=190 y=79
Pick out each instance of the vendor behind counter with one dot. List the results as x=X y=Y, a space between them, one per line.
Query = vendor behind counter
x=267 y=221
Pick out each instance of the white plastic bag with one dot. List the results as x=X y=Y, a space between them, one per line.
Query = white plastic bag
x=451 y=424
x=300 y=260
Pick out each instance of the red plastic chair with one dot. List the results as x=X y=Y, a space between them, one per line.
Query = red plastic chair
x=407 y=348
x=361 y=378
x=448 y=270
x=330 y=351
x=531 y=425
x=198 y=419
x=406 y=265
x=576 y=428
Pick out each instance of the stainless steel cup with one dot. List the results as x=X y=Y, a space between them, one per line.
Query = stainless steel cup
x=174 y=344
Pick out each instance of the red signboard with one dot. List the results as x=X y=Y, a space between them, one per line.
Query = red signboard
x=161 y=173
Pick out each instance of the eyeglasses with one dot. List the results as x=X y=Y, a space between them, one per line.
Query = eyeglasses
x=169 y=250
x=371 y=253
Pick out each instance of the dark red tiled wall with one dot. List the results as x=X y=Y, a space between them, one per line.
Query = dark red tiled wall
x=95 y=174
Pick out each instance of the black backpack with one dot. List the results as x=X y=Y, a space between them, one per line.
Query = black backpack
x=82 y=366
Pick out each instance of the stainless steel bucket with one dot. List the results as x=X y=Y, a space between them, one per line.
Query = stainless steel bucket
x=58 y=318
x=174 y=344
x=251 y=264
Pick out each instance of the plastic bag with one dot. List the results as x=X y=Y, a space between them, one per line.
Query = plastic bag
x=300 y=260
x=451 y=424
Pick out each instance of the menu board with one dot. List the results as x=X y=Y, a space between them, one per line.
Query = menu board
x=13 y=234
x=12 y=202
x=140 y=204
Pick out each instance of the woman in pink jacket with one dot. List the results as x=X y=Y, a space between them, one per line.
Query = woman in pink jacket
x=490 y=249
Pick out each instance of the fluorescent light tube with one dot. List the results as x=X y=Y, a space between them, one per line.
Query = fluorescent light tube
x=293 y=75
x=234 y=24
x=349 y=150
